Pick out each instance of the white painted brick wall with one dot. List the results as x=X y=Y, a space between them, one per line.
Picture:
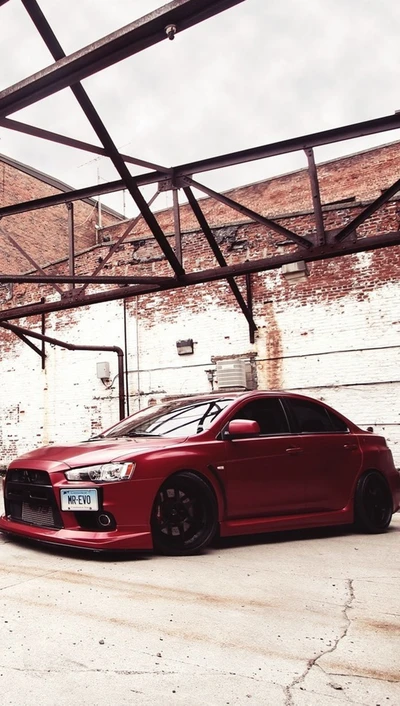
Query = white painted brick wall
x=345 y=351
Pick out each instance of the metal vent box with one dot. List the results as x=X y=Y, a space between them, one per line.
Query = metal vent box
x=231 y=372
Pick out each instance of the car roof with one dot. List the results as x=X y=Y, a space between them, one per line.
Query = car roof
x=238 y=394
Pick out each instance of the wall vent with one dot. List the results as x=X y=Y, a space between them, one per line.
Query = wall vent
x=231 y=373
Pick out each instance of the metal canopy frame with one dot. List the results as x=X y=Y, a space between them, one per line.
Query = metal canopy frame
x=67 y=71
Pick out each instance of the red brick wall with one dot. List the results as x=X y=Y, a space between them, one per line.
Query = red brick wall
x=362 y=176
x=43 y=234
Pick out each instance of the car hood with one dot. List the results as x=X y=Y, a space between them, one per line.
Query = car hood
x=89 y=453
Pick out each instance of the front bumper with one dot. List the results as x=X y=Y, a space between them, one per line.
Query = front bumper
x=33 y=511
x=135 y=539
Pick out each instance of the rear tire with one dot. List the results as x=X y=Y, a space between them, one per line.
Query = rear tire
x=373 y=503
x=184 y=516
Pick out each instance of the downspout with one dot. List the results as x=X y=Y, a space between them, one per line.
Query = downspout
x=126 y=360
x=137 y=350
x=73 y=347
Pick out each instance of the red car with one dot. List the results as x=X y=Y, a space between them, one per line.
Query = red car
x=172 y=476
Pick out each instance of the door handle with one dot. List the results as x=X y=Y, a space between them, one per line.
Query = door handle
x=294 y=450
x=350 y=447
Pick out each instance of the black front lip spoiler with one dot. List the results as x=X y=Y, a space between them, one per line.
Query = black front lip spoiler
x=75 y=548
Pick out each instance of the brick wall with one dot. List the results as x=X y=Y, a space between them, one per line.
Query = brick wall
x=42 y=234
x=335 y=335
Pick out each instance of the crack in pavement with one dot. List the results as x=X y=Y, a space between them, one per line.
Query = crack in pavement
x=86 y=670
x=312 y=662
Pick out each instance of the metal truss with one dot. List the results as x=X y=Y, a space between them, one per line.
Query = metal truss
x=68 y=71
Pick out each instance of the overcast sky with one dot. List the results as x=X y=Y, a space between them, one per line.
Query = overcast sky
x=260 y=72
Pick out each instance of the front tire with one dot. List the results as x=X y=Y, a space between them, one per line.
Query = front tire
x=184 y=517
x=373 y=503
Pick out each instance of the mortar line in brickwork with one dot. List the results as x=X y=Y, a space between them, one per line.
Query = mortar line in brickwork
x=345 y=384
x=324 y=353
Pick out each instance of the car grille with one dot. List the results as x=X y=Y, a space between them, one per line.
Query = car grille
x=29 y=497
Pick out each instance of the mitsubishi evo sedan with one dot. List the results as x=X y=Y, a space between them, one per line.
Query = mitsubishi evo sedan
x=173 y=476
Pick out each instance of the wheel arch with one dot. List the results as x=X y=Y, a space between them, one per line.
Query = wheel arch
x=362 y=473
x=372 y=469
x=211 y=478
x=360 y=517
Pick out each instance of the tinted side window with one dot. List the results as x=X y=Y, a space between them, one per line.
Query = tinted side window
x=310 y=417
x=338 y=424
x=269 y=414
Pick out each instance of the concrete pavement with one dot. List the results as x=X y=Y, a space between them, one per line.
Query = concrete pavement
x=287 y=620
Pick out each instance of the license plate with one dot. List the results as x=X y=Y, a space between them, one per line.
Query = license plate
x=79 y=499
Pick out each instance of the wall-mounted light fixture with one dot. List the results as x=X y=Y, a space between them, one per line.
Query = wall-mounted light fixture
x=295 y=271
x=185 y=347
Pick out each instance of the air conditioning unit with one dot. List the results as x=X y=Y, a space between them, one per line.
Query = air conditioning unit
x=294 y=271
x=231 y=373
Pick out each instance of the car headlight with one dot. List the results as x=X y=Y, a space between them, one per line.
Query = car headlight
x=102 y=473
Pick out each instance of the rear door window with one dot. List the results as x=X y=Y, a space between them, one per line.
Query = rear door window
x=310 y=417
x=338 y=423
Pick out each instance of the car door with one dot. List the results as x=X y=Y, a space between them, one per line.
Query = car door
x=330 y=452
x=263 y=474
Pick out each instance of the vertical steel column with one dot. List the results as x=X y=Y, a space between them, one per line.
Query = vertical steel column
x=126 y=360
x=43 y=329
x=71 y=241
x=316 y=197
x=177 y=226
x=249 y=297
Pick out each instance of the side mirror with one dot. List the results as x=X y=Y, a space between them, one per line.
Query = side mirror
x=241 y=427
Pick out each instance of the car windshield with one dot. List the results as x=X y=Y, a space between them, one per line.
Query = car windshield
x=174 y=419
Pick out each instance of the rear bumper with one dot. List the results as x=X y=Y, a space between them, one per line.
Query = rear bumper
x=136 y=538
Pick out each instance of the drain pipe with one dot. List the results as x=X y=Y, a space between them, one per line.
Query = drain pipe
x=72 y=347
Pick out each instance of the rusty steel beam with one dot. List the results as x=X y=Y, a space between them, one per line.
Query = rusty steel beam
x=154 y=282
x=77 y=144
x=249 y=293
x=102 y=133
x=26 y=255
x=121 y=239
x=71 y=242
x=211 y=275
x=272 y=225
x=367 y=212
x=296 y=144
x=67 y=196
x=109 y=50
x=177 y=225
x=25 y=340
x=316 y=197
x=202 y=221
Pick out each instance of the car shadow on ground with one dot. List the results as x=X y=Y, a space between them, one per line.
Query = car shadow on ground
x=219 y=543
x=290 y=536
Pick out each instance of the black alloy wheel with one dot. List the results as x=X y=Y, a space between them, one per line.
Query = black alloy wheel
x=184 y=517
x=373 y=503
